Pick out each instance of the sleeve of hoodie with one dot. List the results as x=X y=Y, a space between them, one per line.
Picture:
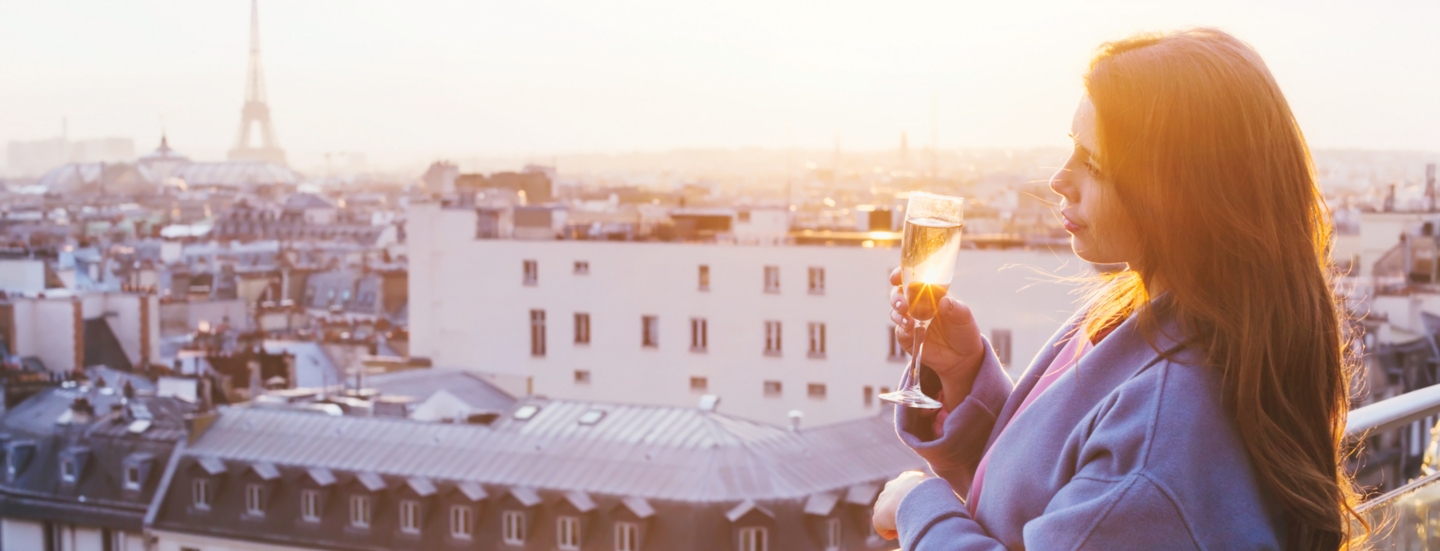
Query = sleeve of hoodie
x=955 y=452
x=1119 y=498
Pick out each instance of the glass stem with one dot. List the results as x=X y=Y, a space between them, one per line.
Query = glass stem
x=919 y=346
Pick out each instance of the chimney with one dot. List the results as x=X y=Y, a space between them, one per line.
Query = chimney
x=82 y=410
x=255 y=388
x=1430 y=187
x=206 y=394
x=795 y=417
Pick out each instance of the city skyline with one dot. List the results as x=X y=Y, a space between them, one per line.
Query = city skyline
x=558 y=78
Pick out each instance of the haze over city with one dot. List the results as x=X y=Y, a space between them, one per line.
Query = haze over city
x=403 y=84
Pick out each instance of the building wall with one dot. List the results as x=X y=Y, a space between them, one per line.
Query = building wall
x=21 y=535
x=45 y=328
x=1380 y=232
x=184 y=317
x=22 y=275
x=175 y=541
x=469 y=308
x=126 y=322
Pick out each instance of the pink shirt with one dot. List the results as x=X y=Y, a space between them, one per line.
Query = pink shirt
x=1064 y=361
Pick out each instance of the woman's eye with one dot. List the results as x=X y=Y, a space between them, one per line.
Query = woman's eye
x=1094 y=170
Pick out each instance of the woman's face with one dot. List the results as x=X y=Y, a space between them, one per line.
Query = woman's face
x=1099 y=231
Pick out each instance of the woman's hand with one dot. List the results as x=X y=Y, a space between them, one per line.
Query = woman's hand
x=889 y=502
x=953 y=348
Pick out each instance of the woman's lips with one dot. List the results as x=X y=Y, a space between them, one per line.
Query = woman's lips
x=1070 y=225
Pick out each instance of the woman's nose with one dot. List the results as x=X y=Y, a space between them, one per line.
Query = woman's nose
x=1060 y=183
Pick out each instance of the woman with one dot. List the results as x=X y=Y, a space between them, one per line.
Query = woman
x=1198 y=400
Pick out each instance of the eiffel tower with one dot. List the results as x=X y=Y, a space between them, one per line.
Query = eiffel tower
x=256 y=112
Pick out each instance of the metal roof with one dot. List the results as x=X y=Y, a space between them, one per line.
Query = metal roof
x=821 y=504
x=423 y=383
x=321 y=476
x=234 y=174
x=420 y=485
x=651 y=452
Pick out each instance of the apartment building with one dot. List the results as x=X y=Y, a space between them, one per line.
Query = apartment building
x=767 y=329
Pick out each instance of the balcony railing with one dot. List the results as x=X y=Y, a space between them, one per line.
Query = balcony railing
x=1406 y=518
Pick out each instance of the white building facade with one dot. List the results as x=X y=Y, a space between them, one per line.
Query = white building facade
x=768 y=329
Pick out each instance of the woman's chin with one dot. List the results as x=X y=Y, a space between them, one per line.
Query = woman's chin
x=1089 y=254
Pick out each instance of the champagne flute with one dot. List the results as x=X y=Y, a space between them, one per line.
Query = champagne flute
x=928 y=253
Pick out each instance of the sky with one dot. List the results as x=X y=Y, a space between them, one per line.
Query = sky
x=437 y=78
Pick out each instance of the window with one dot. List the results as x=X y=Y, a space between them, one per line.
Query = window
x=582 y=328
x=567 y=533
x=754 y=539
x=254 y=500
x=869 y=396
x=582 y=377
x=817 y=340
x=884 y=390
x=360 y=511
x=410 y=516
x=462 y=522
x=67 y=470
x=772 y=389
x=897 y=354
x=772 y=279
x=699 y=384
x=650 y=331
x=627 y=536
x=512 y=524
x=537 y=333
x=704 y=277
x=699 y=334
x=310 y=505
x=582 y=267
x=532 y=272
x=817 y=280
x=132 y=478
x=772 y=338
x=815 y=390
x=743 y=216
x=200 y=494
x=832 y=534
x=1000 y=341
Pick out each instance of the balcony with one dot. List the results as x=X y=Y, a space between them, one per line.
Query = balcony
x=1408 y=517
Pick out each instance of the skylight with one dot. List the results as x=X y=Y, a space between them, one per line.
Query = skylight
x=526 y=412
x=591 y=417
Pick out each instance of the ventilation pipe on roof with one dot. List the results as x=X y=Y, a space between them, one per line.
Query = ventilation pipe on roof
x=795 y=417
x=709 y=402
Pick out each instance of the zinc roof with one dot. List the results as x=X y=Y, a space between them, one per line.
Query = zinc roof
x=652 y=452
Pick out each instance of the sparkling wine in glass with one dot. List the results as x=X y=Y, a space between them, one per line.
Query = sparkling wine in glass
x=928 y=253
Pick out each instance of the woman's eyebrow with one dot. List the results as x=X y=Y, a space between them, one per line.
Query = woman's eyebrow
x=1086 y=152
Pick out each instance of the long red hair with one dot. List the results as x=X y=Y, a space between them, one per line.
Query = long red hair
x=1207 y=162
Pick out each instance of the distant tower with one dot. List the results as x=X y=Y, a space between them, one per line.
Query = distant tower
x=256 y=112
x=904 y=161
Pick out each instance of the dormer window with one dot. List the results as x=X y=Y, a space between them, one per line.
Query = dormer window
x=462 y=522
x=754 y=538
x=67 y=470
x=410 y=516
x=132 y=478
x=512 y=525
x=202 y=494
x=360 y=511
x=567 y=533
x=310 y=505
x=255 y=500
x=832 y=534
x=627 y=536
